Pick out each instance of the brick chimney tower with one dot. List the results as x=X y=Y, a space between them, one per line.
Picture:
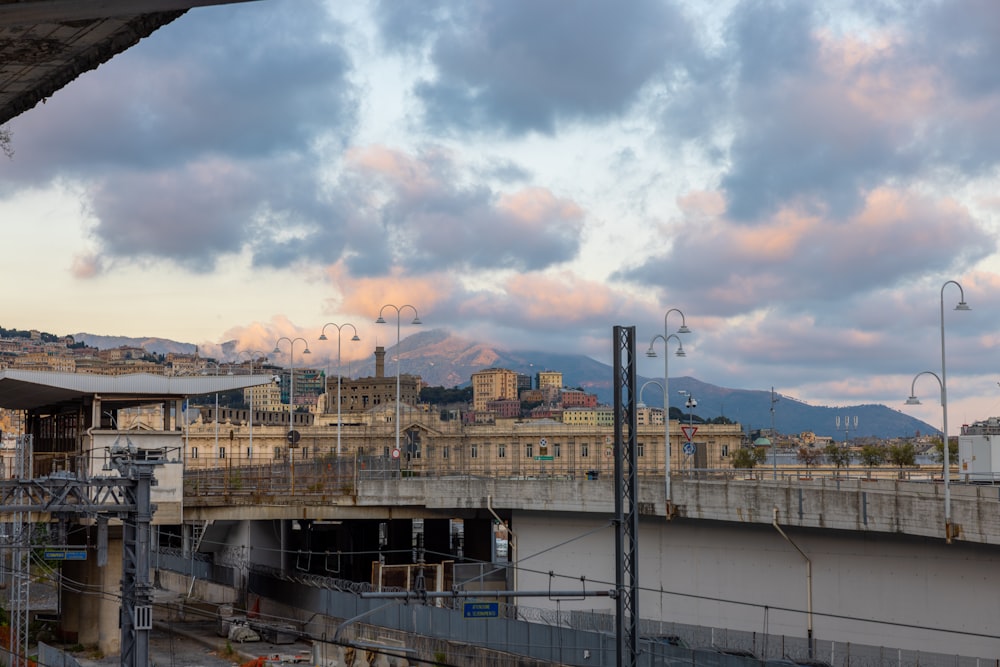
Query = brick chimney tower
x=379 y=361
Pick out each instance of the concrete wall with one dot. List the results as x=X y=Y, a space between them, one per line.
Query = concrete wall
x=867 y=588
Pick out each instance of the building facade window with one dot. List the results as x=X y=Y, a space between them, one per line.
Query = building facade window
x=529 y=450
x=444 y=453
x=584 y=450
x=501 y=451
x=557 y=450
x=194 y=453
x=222 y=452
x=640 y=449
x=474 y=451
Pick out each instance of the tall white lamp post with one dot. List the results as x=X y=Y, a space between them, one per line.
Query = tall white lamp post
x=251 y=356
x=381 y=320
x=322 y=336
x=291 y=377
x=943 y=381
x=665 y=337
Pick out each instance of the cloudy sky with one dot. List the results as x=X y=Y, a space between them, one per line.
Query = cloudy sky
x=800 y=179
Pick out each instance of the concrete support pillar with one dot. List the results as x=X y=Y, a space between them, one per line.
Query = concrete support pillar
x=479 y=539
x=92 y=616
x=437 y=540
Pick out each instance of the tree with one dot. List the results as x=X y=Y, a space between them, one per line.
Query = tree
x=952 y=451
x=748 y=457
x=871 y=456
x=809 y=456
x=6 y=144
x=902 y=454
x=837 y=455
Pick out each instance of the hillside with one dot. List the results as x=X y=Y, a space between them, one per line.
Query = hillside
x=445 y=360
x=442 y=359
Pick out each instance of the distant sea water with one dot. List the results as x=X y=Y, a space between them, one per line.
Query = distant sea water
x=791 y=459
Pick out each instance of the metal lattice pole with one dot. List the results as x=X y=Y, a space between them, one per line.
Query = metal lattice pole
x=20 y=571
x=626 y=498
x=136 y=608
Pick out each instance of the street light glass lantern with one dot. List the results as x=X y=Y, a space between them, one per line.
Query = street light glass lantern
x=380 y=320
x=962 y=306
x=683 y=329
x=651 y=353
x=913 y=400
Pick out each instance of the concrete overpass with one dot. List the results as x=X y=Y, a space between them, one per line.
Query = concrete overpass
x=854 y=560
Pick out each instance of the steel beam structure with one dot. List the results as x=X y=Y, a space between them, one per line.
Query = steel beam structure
x=127 y=498
x=626 y=498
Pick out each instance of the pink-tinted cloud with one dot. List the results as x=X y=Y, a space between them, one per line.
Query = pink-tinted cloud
x=86 y=266
x=801 y=255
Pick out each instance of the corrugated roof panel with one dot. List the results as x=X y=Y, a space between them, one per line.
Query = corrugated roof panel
x=24 y=389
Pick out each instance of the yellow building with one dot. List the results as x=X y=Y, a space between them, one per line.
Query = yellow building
x=493 y=384
x=508 y=447
x=550 y=380
x=264 y=397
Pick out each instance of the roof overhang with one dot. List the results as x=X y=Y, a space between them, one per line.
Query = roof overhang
x=30 y=390
x=46 y=44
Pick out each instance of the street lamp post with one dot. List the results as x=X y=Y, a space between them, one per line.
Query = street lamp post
x=291 y=391
x=665 y=337
x=322 y=336
x=943 y=381
x=380 y=320
x=250 y=357
x=913 y=400
x=643 y=387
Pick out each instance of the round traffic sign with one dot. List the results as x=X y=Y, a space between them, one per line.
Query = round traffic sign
x=689 y=448
x=395 y=453
x=293 y=437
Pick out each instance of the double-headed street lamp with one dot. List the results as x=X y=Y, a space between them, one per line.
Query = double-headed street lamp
x=260 y=354
x=291 y=378
x=381 y=320
x=943 y=382
x=322 y=336
x=665 y=337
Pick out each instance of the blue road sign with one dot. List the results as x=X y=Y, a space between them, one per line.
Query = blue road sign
x=62 y=554
x=689 y=448
x=482 y=609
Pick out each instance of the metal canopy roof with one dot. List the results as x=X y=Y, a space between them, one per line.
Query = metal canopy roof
x=28 y=390
x=45 y=44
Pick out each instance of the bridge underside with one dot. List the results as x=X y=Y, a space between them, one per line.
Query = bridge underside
x=46 y=44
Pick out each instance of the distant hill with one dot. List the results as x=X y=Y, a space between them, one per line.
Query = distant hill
x=442 y=359
x=152 y=345
x=449 y=361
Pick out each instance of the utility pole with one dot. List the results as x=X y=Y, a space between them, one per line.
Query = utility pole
x=126 y=497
